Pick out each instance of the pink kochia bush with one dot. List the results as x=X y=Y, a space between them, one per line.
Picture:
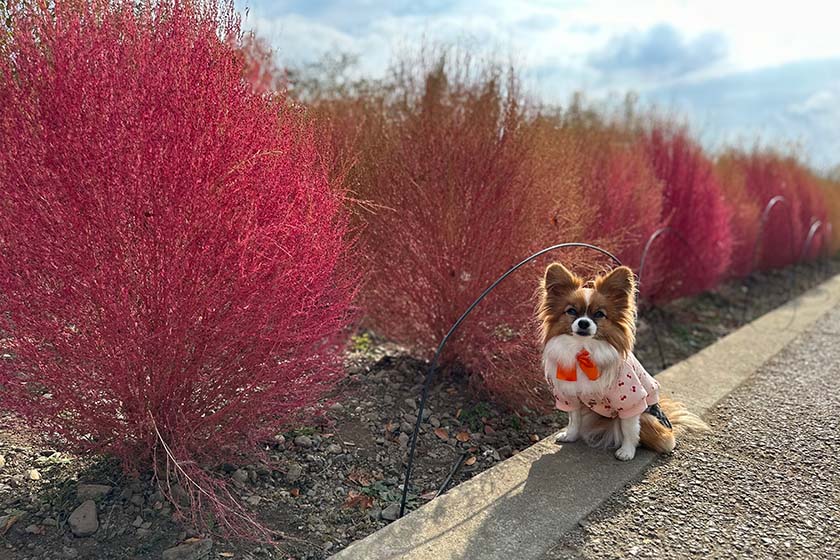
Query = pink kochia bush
x=693 y=256
x=174 y=257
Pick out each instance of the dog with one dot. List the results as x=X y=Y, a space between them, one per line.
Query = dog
x=588 y=335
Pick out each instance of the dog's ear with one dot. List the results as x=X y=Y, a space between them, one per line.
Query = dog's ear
x=619 y=285
x=558 y=279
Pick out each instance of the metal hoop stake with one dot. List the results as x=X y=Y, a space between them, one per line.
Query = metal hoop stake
x=812 y=233
x=765 y=216
x=433 y=364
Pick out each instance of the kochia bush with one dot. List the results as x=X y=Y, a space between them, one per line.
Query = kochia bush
x=173 y=252
x=694 y=256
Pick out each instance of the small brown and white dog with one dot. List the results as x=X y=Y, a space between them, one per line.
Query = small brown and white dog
x=588 y=332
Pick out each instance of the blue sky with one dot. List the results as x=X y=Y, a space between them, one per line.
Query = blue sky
x=739 y=70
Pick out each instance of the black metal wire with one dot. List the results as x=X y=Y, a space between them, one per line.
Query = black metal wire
x=452 y=472
x=642 y=262
x=433 y=364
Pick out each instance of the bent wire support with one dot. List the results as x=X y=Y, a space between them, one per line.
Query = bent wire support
x=433 y=364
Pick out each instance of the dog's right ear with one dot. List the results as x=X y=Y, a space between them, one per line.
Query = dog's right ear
x=559 y=279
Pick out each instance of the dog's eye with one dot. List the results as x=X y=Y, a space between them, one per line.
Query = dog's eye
x=571 y=311
x=599 y=315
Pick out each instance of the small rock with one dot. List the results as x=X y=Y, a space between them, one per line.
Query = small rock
x=138 y=500
x=240 y=475
x=404 y=440
x=2 y=461
x=406 y=428
x=434 y=421
x=303 y=441
x=193 y=550
x=34 y=529
x=411 y=403
x=280 y=439
x=337 y=407
x=141 y=532
x=334 y=448
x=391 y=513
x=34 y=474
x=126 y=494
x=146 y=525
x=138 y=521
x=49 y=522
x=253 y=500
x=83 y=521
x=70 y=552
x=294 y=472
x=92 y=491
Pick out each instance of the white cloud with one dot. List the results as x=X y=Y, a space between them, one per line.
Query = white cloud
x=717 y=63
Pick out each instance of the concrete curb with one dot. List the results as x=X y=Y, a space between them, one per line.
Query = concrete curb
x=519 y=508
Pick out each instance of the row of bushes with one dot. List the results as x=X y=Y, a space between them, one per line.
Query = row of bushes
x=465 y=177
x=182 y=245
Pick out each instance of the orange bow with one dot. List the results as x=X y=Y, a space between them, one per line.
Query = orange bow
x=586 y=364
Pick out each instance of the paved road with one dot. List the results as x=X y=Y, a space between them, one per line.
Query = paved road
x=765 y=484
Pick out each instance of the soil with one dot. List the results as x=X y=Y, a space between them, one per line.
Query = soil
x=339 y=480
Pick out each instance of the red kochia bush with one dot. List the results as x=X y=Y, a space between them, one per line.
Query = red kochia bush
x=447 y=166
x=753 y=179
x=173 y=253
x=695 y=256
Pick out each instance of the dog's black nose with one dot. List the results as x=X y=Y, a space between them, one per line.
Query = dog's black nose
x=583 y=324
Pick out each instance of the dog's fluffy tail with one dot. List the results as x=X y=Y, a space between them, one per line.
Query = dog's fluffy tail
x=654 y=435
x=605 y=433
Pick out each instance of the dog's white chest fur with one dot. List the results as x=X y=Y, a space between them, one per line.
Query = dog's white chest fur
x=563 y=350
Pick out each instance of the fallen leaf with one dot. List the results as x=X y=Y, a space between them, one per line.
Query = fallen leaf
x=226 y=554
x=535 y=438
x=470 y=461
x=428 y=495
x=360 y=477
x=442 y=433
x=355 y=499
x=472 y=449
x=10 y=520
x=463 y=437
x=458 y=414
x=295 y=492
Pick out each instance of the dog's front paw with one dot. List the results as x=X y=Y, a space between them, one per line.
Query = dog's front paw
x=567 y=436
x=625 y=453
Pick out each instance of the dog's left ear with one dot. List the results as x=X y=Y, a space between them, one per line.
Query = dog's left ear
x=619 y=285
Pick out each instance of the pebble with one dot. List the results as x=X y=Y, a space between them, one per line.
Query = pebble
x=193 y=550
x=138 y=521
x=406 y=428
x=49 y=522
x=404 y=440
x=334 y=448
x=240 y=475
x=303 y=441
x=336 y=406
x=34 y=474
x=294 y=472
x=253 y=500
x=391 y=513
x=84 y=521
x=2 y=461
x=70 y=552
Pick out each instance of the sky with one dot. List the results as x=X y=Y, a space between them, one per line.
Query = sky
x=739 y=71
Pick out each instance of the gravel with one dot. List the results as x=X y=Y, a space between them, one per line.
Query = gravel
x=764 y=484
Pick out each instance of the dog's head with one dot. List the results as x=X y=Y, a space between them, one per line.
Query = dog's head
x=605 y=311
